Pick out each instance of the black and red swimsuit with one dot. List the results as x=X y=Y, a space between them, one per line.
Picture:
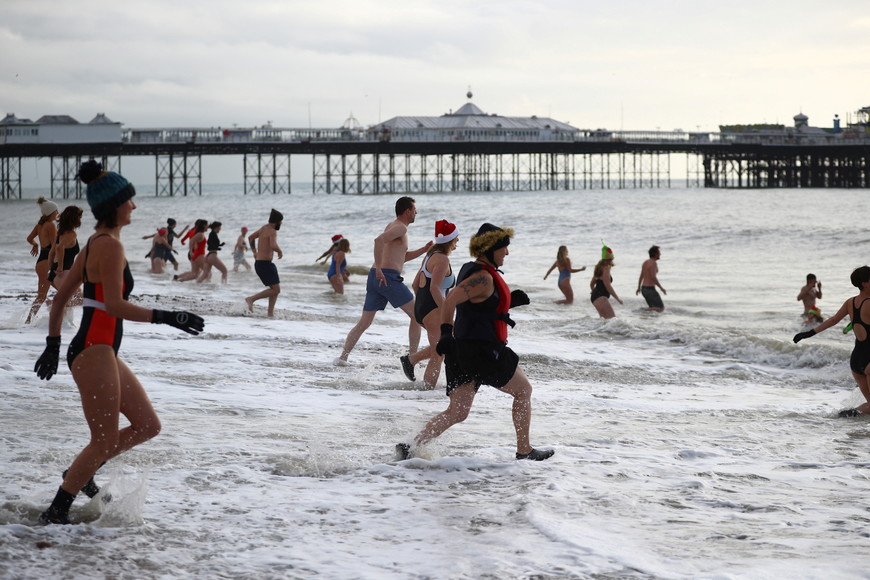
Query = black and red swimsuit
x=98 y=326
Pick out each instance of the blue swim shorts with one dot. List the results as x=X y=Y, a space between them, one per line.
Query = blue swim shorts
x=395 y=292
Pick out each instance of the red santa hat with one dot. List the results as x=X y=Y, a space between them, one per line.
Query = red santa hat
x=445 y=232
x=336 y=237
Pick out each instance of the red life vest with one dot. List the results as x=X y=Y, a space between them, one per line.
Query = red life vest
x=504 y=302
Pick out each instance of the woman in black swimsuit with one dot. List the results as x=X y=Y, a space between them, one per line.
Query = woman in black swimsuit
x=858 y=309
x=107 y=386
x=601 y=285
x=430 y=286
x=46 y=232
x=66 y=248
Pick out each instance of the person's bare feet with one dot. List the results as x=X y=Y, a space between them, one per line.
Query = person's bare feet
x=250 y=304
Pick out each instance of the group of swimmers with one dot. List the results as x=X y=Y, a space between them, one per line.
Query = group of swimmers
x=601 y=288
x=466 y=316
x=55 y=246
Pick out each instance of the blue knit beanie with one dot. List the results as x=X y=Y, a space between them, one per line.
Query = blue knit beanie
x=106 y=190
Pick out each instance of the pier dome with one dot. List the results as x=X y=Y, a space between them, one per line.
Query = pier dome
x=471 y=123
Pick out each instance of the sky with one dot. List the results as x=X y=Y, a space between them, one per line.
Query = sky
x=626 y=64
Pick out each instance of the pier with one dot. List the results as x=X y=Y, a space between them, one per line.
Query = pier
x=463 y=151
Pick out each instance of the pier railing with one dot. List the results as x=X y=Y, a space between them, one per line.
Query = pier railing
x=320 y=135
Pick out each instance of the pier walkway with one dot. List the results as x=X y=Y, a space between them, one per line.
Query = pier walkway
x=356 y=161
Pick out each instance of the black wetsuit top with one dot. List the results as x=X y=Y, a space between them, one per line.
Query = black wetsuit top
x=214 y=243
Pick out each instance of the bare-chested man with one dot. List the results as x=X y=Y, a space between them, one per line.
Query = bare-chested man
x=808 y=294
x=649 y=279
x=263 y=252
x=385 y=278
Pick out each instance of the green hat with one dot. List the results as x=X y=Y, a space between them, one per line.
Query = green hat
x=606 y=253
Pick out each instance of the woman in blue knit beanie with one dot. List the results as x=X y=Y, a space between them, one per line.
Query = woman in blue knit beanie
x=107 y=386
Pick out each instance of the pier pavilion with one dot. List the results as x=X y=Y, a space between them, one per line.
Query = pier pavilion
x=469 y=150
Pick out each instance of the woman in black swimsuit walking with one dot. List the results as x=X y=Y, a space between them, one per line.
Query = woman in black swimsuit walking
x=66 y=248
x=859 y=362
x=601 y=286
x=45 y=231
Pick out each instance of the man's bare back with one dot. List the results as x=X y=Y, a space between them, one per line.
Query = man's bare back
x=649 y=273
x=264 y=243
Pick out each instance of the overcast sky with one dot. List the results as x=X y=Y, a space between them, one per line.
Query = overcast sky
x=615 y=64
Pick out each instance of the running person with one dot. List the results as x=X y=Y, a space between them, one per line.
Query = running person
x=239 y=251
x=859 y=313
x=106 y=385
x=265 y=268
x=385 y=280
x=649 y=279
x=476 y=348
x=160 y=249
x=66 y=246
x=45 y=233
x=213 y=246
x=195 y=252
x=431 y=285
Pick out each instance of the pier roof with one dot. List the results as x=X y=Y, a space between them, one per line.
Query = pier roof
x=11 y=119
x=470 y=116
x=57 y=120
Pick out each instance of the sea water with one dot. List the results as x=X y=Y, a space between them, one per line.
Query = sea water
x=697 y=443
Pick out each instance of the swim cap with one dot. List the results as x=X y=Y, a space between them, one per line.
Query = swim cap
x=488 y=239
x=445 y=232
x=244 y=228
x=46 y=207
x=606 y=253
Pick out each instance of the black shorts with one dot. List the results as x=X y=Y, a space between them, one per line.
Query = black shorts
x=482 y=362
x=267 y=271
x=651 y=295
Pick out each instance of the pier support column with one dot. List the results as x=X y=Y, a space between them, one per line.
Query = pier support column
x=10 y=177
x=267 y=173
x=178 y=174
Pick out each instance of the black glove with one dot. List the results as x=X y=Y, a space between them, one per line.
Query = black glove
x=186 y=321
x=802 y=335
x=446 y=344
x=519 y=298
x=46 y=364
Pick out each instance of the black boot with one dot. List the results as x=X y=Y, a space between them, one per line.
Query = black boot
x=58 y=511
x=91 y=488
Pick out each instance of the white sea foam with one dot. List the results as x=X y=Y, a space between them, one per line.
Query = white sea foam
x=696 y=443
